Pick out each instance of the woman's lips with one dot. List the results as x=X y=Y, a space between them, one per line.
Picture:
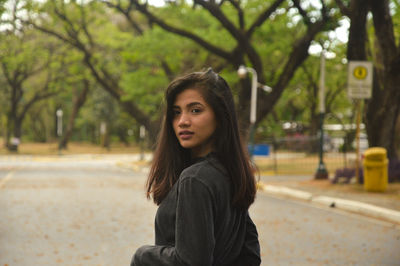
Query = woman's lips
x=185 y=135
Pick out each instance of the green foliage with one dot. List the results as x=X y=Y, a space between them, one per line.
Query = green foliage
x=2 y=8
x=275 y=40
x=300 y=101
x=101 y=107
x=142 y=64
x=198 y=21
x=27 y=64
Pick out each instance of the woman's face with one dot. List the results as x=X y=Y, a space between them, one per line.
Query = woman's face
x=194 y=122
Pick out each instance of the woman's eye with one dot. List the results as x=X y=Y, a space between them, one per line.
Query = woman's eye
x=196 y=110
x=176 y=112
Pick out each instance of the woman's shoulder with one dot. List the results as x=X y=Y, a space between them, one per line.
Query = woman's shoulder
x=208 y=171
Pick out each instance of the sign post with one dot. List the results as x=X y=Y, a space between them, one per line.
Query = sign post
x=359 y=79
x=359 y=86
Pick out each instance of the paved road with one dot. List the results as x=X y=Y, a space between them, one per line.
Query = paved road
x=93 y=212
x=296 y=233
x=68 y=213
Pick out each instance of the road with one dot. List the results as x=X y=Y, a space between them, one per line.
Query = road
x=90 y=210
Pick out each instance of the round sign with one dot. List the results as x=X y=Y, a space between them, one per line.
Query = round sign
x=360 y=72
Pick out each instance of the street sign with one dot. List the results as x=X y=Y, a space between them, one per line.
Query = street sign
x=359 y=79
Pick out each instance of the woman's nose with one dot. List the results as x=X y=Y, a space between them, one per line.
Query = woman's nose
x=184 y=120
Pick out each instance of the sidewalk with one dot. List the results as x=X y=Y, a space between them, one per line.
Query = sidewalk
x=349 y=197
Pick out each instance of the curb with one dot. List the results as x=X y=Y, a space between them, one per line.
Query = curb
x=343 y=204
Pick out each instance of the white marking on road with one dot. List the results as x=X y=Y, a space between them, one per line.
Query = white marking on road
x=5 y=179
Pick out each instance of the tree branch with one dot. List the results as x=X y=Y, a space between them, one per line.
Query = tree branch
x=263 y=17
x=84 y=26
x=343 y=9
x=126 y=13
x=310 y=78
x=101 y=76
x=36 y=98
x=302 y=12
x=215 y=10
x=6 y=72
x=331 y=96
x=236 y=5
x=208 y=46
x=296 y=58
x=50 y=32
x=167 y=70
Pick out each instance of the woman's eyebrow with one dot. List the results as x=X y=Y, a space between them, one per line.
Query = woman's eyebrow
x=188 y=105
x=175 y=107
x=193 y=104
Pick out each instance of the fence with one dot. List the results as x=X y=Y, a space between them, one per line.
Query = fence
x=298 y=155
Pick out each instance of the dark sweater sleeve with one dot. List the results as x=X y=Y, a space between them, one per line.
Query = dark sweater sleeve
x=250 y=253
x=194 y=232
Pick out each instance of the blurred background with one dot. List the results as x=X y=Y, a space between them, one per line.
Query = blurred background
x=316 y=86
x=89 y=76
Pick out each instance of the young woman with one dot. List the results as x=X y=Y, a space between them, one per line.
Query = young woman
x=202 y=180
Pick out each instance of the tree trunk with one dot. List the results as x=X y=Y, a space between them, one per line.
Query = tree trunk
x=78 y=103
x=384 y=106
x=7 y=134
x=4 y=131
x=16 y=134
x=356 y=45
x=11 y=121
x=382 y=114
x=397 y=136
x=18 y=128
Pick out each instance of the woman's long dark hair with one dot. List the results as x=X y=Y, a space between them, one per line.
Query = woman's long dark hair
x=170 y=158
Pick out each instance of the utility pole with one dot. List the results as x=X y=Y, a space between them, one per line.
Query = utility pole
x=321 y=173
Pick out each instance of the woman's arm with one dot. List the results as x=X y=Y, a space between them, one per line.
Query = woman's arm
x=194 y=232
x=250 y=253
x=156 y=255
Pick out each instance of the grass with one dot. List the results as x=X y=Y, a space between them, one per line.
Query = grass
x=297 y=165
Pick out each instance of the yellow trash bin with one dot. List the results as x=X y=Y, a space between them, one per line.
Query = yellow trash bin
x=375 y=169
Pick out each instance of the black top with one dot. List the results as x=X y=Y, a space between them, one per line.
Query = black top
x=196 y=224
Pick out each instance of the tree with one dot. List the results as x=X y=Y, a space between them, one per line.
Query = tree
x=2 y=9
x=383 y=109
x=74 y=25
x=118 y=61
x=79 y=98
x=231 y=18
x=300 y=101
x=29 y=79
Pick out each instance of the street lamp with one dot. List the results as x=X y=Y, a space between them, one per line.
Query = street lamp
x=242 y=73
x=321 y=173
